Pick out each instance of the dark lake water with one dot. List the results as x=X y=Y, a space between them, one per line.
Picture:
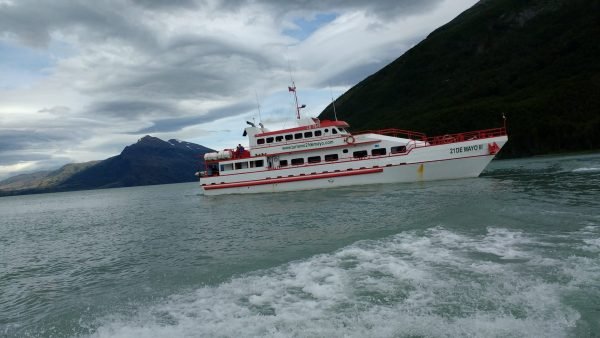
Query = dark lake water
x=513 y=253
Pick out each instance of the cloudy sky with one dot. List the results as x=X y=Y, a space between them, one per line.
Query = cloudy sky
x=80 y=79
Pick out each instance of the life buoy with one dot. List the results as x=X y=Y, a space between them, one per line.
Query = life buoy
x=350 y=139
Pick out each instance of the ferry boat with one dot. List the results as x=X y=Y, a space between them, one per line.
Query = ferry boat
x=318 y=154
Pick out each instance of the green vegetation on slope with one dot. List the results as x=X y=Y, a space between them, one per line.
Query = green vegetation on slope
x=44 y=179
x=538 y=61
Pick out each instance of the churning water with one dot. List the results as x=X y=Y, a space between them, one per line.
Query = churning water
x=514 y=253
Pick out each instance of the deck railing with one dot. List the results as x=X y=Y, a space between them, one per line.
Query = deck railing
x=409 y=134
x=436 y=140
x=468 y=136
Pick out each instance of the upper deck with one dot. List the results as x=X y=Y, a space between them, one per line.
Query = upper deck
x=313 y=135
x=309 y=134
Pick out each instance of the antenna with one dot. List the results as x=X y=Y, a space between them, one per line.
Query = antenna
x=293 y=89
x=333 y=102
x=258 y=106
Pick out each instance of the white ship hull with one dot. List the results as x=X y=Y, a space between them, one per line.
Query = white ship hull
x=426 y=163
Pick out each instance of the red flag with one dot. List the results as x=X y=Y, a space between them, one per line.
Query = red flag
x=292 y=89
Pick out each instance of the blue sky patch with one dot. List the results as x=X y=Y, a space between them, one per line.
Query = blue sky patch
x=29 y=59
x=306 y=27
x=21 y=66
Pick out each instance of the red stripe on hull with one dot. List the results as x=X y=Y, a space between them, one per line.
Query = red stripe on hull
x=293 y=179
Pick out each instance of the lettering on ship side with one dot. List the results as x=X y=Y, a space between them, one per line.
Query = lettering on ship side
x=466 y=149
x=307 y=145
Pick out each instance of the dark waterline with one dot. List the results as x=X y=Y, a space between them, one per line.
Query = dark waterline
x=514 y=252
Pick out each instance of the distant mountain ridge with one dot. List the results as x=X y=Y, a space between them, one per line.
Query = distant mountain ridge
x=149 y=161
x=535 y=60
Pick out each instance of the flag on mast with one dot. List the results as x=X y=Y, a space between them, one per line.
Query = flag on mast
x=292 y=89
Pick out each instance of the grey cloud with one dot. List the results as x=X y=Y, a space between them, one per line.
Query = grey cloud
x=33 y=22
x=56 y=110
x=11 y=140
x=17 y=145
x=176 y=124
x=351 y=76
x=129 y=109
x=189 y=67
x=170 y=4
x=170 y=83
x=9 y=158
x=19 y=139
x=383 y=8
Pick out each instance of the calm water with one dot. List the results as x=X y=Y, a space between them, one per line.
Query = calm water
x=513 y=253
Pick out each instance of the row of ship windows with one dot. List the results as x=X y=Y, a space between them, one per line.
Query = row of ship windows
x=297 y=136
x=242 y=165
x=335 y=157
x=312 y=159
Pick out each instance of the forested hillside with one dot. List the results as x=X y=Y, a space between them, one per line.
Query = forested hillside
x=538 y=61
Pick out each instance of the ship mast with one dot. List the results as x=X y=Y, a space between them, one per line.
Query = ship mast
x=293 y=89
x=298 y=107
x=333 y=102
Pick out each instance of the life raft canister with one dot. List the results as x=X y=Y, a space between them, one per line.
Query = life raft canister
x=349 y=139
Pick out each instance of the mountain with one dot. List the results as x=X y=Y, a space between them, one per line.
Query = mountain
x=23 y=181
x=42 y=180
x=149 y=161
x=535 y=60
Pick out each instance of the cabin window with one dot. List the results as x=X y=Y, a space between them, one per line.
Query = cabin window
x=333 y=131
x=314 y=159
x=241 y=165
x=399 y=149
x=308 y=134
x=227 y=167
x=298 y=136
x=270 y=140
x=318 y=133
x=341 y=130
x=378 y=152
x=257 y=164
x=278 y=138
x=283 y=163
x=260 y=141
x=331 y=157
x=297 y=161
x=360 y=153
x=289 y=137
x=345 y=151
x=326 y=130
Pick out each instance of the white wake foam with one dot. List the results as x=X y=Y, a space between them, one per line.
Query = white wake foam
x=580 y=170
x=432 y=283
